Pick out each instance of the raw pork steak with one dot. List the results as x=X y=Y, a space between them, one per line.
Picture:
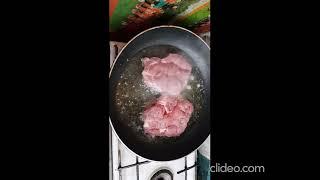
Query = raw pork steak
x=168 y=76
x=168 y=116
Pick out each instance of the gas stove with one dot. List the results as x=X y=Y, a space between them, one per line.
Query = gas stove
x=125 y=165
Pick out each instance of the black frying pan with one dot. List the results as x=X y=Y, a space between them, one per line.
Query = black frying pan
x=129 y=96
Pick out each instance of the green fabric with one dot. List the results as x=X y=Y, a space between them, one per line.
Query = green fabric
x=203 y=168
x=198 y=16
x=121 y=12
x=124 y=7
x=183 y=5
x=160 y=4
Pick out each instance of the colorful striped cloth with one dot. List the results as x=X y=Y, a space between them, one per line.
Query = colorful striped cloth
x=128 y=15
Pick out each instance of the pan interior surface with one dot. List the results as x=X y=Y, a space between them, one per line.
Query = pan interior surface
x=129 y=96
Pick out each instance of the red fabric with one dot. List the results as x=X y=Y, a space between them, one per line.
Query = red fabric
x=112 y=6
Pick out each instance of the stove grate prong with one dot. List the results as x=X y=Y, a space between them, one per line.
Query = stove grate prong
x=135 y=164
x=188 y=168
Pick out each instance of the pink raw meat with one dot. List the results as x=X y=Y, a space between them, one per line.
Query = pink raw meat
x=168 y=116
x=168 y=76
